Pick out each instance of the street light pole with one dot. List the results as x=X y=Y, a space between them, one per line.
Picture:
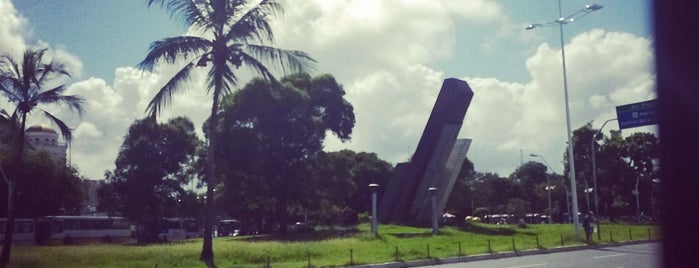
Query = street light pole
x=571 y=157
x=374 y=220
x=594 y=168
x=548 y=185
x=435 y=226
x=594 y=175
x=548 y=191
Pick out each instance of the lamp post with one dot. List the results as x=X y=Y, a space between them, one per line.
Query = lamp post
x=594 y=168
x=435 y=226
x=549 y=188
x=587 y=192
x=374 y=220
x=571 y=157
x=548 y=185
x=594 y=172
x=562 y=182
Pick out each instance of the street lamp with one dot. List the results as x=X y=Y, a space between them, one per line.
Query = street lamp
x=571 y=157
x=548 y=185
x=548 y=189
x=435 y=227
x=594 y=168
x=587 y=192
x=374 y=220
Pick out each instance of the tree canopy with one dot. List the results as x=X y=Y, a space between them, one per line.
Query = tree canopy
x=273 y=134
x=151 y=169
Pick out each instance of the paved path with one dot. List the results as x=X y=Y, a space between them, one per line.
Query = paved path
x=646 y=255
x=641 y=254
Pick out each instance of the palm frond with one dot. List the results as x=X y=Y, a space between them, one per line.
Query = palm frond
x=223 y=78
x=288 y=61
x=8 y=88
x=173 y=48
x=66 y=132
x=189 y=12
x=53 y=96
x=164 y=96
x=254 y=25
x=51 y=70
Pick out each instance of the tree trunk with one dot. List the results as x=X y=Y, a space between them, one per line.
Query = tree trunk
x=9 y=225
x=207 y=251
x=18 y=166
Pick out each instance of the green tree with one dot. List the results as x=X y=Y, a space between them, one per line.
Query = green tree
x=148 y=176
x=342 y=184
x=461 y=201
x=531 y=176
x=278 y=141
x=49 y=188
x=28 y=83
x=234 y=33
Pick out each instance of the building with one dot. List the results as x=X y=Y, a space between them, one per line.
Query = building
x=42 y=137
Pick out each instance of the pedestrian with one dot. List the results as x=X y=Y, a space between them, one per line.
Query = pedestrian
x=587 y=225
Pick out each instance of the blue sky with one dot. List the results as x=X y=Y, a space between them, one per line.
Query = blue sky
x=391 y=57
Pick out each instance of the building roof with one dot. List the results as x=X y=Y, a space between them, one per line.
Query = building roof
x=41 y=128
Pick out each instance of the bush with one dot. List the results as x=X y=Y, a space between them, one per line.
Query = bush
x=363 y=217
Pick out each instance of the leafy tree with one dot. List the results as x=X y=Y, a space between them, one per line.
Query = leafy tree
x=462 y=197
x=278 y=141
x=234 y=33
x=342 y=184
x=28 y=83
x=642 y=151
x=148 y=176
x=49 y=188
x=621 y=163
x=531 y=176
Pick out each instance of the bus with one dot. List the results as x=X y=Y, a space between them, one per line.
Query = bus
x=230 y=227
x=24 y=231
x=179 y=229
x=54 y=230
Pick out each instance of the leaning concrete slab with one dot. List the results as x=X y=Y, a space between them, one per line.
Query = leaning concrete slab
x=436 y=162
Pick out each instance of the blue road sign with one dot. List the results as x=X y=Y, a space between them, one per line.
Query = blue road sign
x=637 y=114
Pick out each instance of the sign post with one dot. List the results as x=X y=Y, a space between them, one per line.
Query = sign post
x=637 y=114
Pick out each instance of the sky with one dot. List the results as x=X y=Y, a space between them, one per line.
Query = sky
x=391 y=56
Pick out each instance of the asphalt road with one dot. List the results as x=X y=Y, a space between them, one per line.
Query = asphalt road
x=645 y=255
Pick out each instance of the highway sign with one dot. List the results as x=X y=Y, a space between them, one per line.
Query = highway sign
x=637 y=114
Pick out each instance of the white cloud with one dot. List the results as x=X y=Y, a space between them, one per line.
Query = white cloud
x=12 y=27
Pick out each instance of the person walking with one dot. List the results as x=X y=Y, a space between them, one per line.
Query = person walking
x=587 y=225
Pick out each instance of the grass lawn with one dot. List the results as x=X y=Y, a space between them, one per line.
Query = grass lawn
x=327 y=247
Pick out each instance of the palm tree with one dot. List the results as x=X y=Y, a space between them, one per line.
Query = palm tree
x=29 y=83
x=231 y=33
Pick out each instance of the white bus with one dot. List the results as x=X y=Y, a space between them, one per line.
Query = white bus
x=24 y=231
x=179 y=229
x=54 y=230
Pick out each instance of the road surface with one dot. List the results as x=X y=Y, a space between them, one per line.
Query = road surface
x=645 y=255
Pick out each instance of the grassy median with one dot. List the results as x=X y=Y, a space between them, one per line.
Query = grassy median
x=328 y=247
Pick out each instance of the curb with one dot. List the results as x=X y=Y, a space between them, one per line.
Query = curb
x=491 y=256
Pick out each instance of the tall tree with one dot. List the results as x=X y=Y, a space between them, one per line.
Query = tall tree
x=148 y=173
x=48 y=188
x=232 y=33
x=30 y=82
x=278 y=141
x=462 y=198
x=531 y=176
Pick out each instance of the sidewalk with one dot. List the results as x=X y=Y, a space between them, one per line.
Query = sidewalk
x=428 y=262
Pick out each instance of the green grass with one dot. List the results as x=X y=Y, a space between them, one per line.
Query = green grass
x=326 y=247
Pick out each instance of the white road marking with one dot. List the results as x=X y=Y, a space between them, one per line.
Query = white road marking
x=607 y=256
x=530 y=265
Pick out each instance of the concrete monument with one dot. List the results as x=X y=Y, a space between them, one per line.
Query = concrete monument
x=436 y=162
